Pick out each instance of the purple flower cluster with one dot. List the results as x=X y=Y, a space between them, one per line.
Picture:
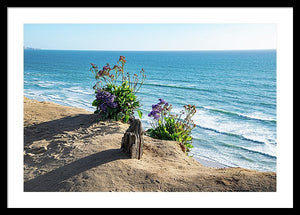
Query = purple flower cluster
x=106 y=100
x=157 y=109
x=162 y=102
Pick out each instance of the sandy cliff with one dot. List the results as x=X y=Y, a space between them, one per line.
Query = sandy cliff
x=66 y=149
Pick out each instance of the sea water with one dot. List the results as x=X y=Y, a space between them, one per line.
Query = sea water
x=234 y=93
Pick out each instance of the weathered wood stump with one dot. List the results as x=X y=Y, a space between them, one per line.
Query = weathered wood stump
x=133 y=141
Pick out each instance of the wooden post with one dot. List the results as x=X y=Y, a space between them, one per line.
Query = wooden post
x=133 y=141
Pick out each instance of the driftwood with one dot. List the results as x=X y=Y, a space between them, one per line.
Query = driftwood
x=133 y=141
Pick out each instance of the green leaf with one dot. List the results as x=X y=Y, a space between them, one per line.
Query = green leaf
x=140 y=113
x=160 y=122
x=126 y=118
x=189 y=145
x=95 y=103
x=174 y=136
x=189 y=138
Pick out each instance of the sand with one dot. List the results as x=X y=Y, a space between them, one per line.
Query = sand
x=67 y=149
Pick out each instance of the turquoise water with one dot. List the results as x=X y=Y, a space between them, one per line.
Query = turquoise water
x=234 y=93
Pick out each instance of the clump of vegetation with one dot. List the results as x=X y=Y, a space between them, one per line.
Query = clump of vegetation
x=116 y=99
x=168 y=126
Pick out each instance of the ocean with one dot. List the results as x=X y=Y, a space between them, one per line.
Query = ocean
x=234 y=93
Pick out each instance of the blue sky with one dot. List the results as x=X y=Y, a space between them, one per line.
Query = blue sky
x=150 y=36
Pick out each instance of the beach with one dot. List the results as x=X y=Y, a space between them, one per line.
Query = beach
x=66 y=149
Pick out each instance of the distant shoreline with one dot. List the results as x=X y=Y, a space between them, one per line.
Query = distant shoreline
x=30 y=48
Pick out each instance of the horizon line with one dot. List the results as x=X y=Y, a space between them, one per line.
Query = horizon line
x=30 y=48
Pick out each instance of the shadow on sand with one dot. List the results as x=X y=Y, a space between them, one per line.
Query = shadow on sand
x=47 y=130
x=52 y=181
x=50 y=130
